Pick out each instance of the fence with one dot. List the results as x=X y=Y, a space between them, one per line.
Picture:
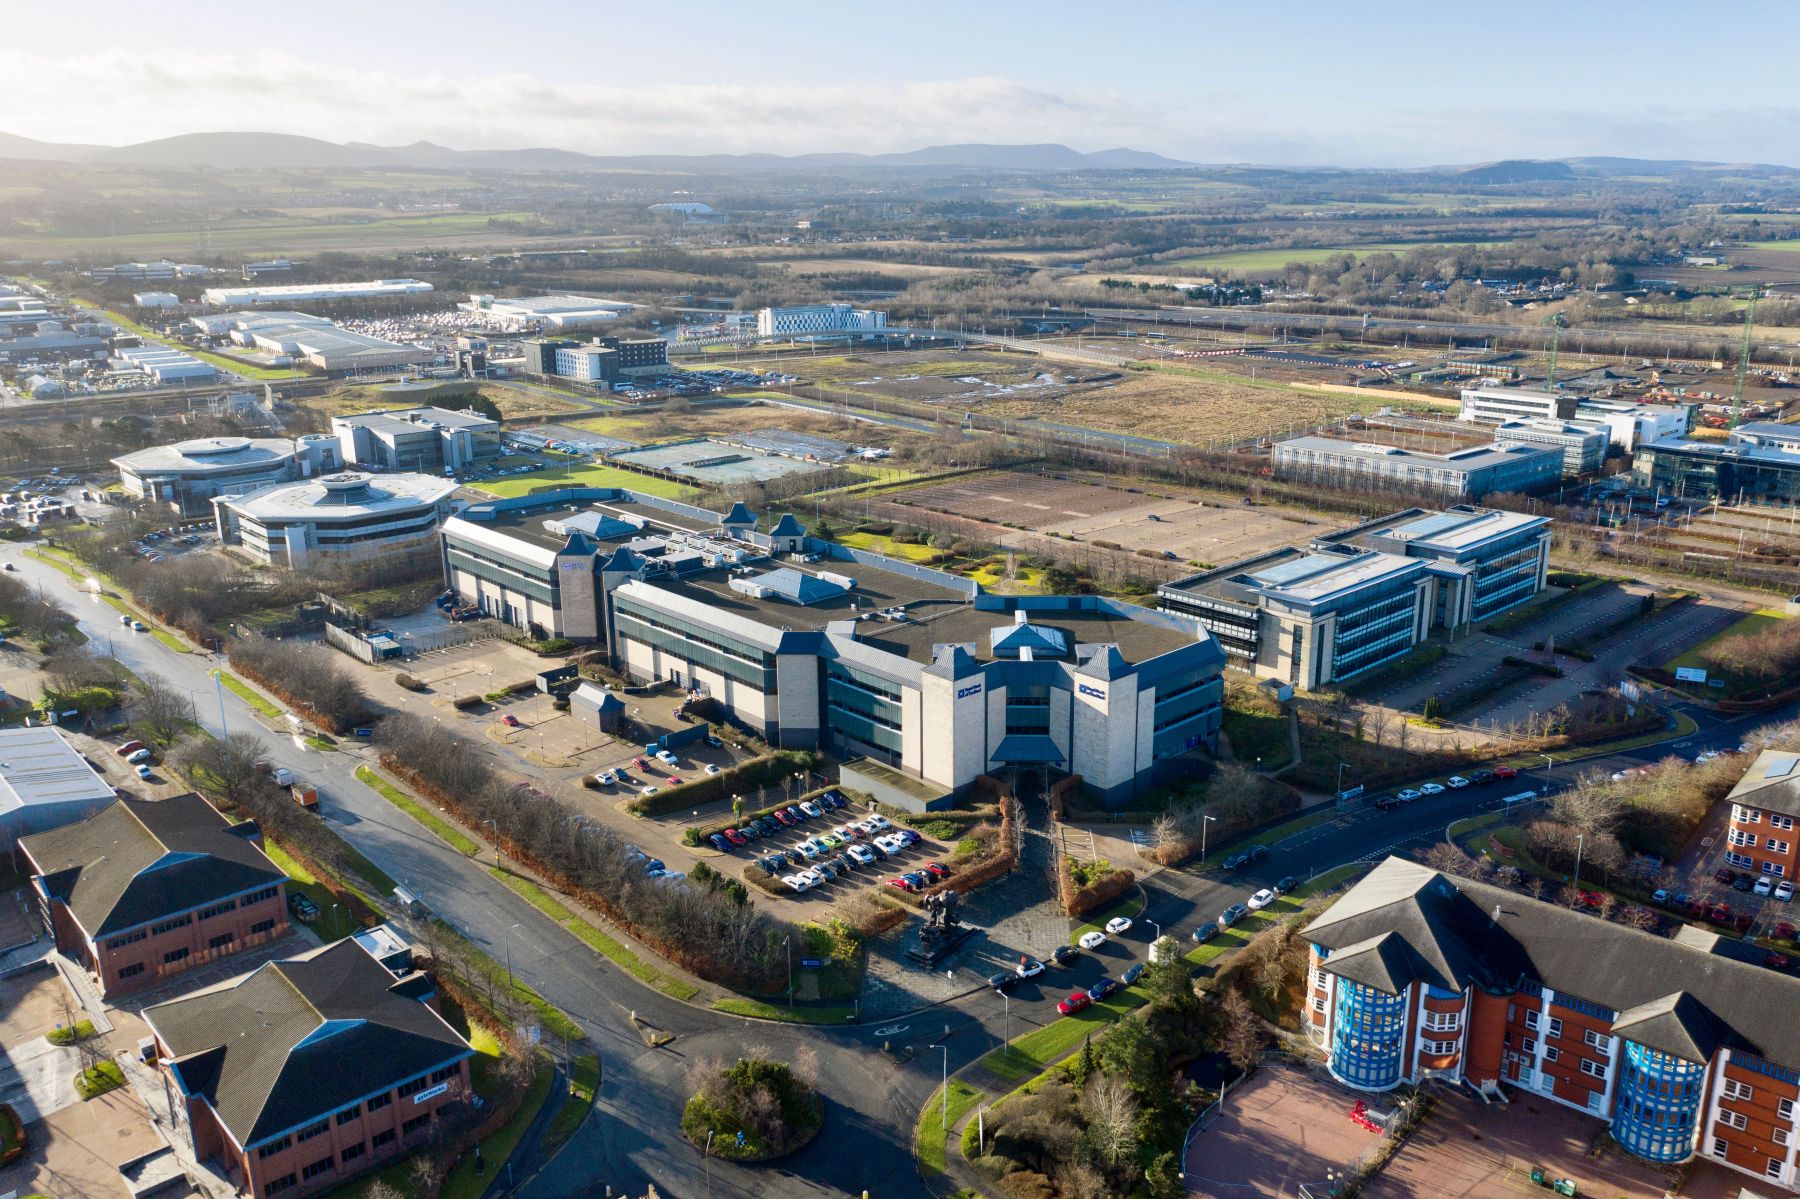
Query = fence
x=348 y=642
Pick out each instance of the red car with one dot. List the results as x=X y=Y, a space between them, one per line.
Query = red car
x=511 y=721
x=936 y=869
x=1592 y=899
x=1074 y=1003
x=1785 y=931
x=130 y=747
x=1504 y=772
x=735 y=837
x=641 y=763
x=1725 y=876
x=783 y=818
x=904 y=884
x=1777 y=961
x=673 y=780
x=1720 y=914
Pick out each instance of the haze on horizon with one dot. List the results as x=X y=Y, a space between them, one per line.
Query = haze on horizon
x=1401 y=84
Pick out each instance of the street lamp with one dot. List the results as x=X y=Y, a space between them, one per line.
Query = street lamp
x=1549 y=765
x=787 y=943
x=1204 y=821
x=944 y=1088
x=1580 y=839
x=706 y=1159
x=509 y=973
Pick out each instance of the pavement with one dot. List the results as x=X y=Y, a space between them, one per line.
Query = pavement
x=872 y=1097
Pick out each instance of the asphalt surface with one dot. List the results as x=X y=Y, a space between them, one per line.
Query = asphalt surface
x=873 y=1095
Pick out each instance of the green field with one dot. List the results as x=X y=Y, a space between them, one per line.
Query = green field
x=1271 y=261
x=581 y=476
x=280 y=235
x=1787 y=245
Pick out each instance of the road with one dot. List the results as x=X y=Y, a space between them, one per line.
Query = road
x=873 y=1098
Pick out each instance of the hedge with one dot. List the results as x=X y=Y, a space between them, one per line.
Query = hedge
x=1079 y=901
x=746 y=776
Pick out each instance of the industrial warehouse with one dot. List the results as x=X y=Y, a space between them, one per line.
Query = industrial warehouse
x=298 y=336
x=861 y=653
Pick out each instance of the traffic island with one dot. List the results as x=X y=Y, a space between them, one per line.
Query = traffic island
x=754 y=1111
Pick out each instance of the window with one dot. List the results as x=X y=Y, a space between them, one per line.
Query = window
x=313 y=1130
x=1718 y=1147
x=261 y=926
x=1440 y=1048
x=319 y=1167
x=1555 y=1027
x=1731 y=1119
x=1596 y=1040
x=415 y=1124
x=413 y=1087
x=1734 y=1089
x=1781 y=1135
x=446 y=1073
x=175 y=955
x=1780 y=821
x=1552 y=1053
x=1593 y=1068
x=1318 y=1003
x=281 y=1184
x=1785 y=1109
x=1529 y=1044
x=379 y=1102
x=382 y=1138
x=1531 y=1020
x=1774 y=1170
x=352 y=1152
x=274 y=1147
x=221 y=941
x=131 y=971
x=1443 y=1021
x=218 y=909
x=169 y=926
x=262 y=896
x=127 y=939
x=348 y=1114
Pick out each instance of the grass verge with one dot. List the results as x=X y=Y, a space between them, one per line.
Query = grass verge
x=553 y=1017
x=333 y=922
x=584 y=1085
x=463 y=1182
x=69 y=1034
x=930 y=1136
x=615 y=951
x=98 y=1079
x=249 y=695
x=756 y=1009
x=447 y=832
x=1033 y=1052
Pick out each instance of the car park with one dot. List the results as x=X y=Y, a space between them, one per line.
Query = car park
x=139 y=755
x=736 y=838
x=1093 y=940
x=936 y=869
x=1725 y=876
x=1074 y=1003
x=1002 y=982
x=782 y=818
x=1232 y=915
x=646 y=792
x=1118 y=925
x=1261 y=900
x=902 y=883
x=879 y=821
x=1064 y=954
x=1028 y=968
x=718 y=842
x=673 y=780
x=605 y=778
x=143 y=771
x=511 y=721
x=809 y=849
x=1743 y=882
x=812 y=809
x=667 y=758
x=772 y=865
x=711 y=769
x=130 y=747
x=796 y=883
x=1103 y=988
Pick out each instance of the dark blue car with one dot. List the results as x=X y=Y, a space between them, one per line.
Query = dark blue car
x=1103 y=988
x=718 y=842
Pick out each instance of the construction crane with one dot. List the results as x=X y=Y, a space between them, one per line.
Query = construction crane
x=1737 y=393
x=1555 y=321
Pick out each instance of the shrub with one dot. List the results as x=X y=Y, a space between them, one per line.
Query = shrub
x=753 y=1110
x=409 y=683
x=553 y=646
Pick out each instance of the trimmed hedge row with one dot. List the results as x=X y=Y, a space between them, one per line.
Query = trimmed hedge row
x=1079 y=901
x=745 y=776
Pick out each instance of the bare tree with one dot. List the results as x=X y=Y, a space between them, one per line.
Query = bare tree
x=161 y=712
x=1241 y=1038
x=1112 y=1113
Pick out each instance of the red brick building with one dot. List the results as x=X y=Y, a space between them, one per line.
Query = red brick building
x=1764 y=806
x=1687 y=1047
x=145 y=889
x=311 y=1069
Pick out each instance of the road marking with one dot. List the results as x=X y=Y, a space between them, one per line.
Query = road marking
x=892 y=1030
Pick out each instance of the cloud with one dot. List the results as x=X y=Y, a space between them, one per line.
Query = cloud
x=137 y=100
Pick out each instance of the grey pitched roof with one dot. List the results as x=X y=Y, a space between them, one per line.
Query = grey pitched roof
x=1106 y=662
x=788 y=526
x=1467 y=933
x=952 y=661
x=1772 y=783
x=1677 y=1024
x=137 y=860
x=1385 y=962
x=799 y=588
x=299 y=1038
x=739 y=515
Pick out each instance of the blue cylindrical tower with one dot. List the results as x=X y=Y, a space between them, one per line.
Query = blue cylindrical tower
x=1366 y=1036
x=1659 y=1104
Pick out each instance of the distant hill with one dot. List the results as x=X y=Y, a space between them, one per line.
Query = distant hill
x=1516 y=171
x=229 y=150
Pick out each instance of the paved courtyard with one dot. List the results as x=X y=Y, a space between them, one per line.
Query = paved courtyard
x=1283 y=1130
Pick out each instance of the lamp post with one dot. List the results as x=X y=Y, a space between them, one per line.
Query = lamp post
x=1549 y=765
x=1580 y=839
x=509 y=973
x=706 y=1160
x=787 y=943
x=1006 y=1005
x=1204 y=821
x=219 y=689
x=944 y=1089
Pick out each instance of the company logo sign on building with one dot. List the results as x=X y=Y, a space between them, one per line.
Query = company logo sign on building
x=1091 y=692
x=966 y=692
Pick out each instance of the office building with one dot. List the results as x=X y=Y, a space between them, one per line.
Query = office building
x=1764 y=805
x=146 y=272
x=1461 y=474
x=924 y=679
x=311 y=1069
x=146 y=889
x=1363 y=596
x=1684 y=1048
x=1583 y=446
x=302 y=337
x=550 y=313
x=1492 y=405
x=428 y=441
x=44 y=784
x=1629 y=424
x=598 y=361
x=302 y=293
x=1757 y=463
x=824 y=319
x=338 y=519
x=188 y=474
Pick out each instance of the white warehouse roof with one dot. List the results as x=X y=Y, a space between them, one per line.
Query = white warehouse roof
x=288 y=293
x=38 y=767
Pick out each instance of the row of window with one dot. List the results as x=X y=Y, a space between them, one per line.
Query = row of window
x=207 y=913
x=1744 y=815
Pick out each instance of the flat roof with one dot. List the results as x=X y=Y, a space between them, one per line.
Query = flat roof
x=341 y=496
x=1299 y=576
x=1715 y=449
x=964 y=624
x=1460 y=527
x=715 y=462
x=38 y=766
x=203 y=454
x=425 y=414
x=875 y=589
x=1473 y=458
x=556 y=304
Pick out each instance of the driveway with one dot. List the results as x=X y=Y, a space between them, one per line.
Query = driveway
x=36 y=1077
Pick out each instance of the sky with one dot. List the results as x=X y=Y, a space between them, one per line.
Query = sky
x=1400 y=83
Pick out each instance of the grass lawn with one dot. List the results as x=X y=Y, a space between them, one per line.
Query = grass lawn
x=334 y=921
x=1270 y=261
x=1129 y=907
x=756 y=1008
x=554 y=1019
x=582 y=476
x=877 y=544
x=448 y=832
x=1031 y=1053
x=929 y=1137
x=584 y=1084
x=249 y=695
x=69 y=1034
x=98 y=1079
x=1759 y=621
x=464 y=1182
x=1257 y=736
x=609 y=947
x=1336 y=877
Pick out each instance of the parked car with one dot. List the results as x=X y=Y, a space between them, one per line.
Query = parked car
x=1457 y=782
x=798 y=813
x=646 y=792
x=879 y=821
x=674 y=780
x=902 y=883
x=138 y=626
x=139 y=755
x=1776 y=961
x=718 y=842
x=1103 y=988
x=1064 y=954
x=772 y=865
x=641 y=763
x=1073 y=1003
x=711 y=769
x=1003 y=981
x=862 y=853
x=1386 y=803
x=605 y=778
x=1130 y=977
x=1784 y=890
x=1406 y=795
x=143 y=772
x=796 y=883
x=907 y=837
x=1764 y=886
x=812 y=809
x=1206 y=932
x=736 y=837
x=1725 y=876
x=1028 y=968
x=1287 y=883
x=936 y=869
x=130 y=747
x=1743 y=882
x=1261 y=899
x=1232 y=915
x=782 y=818
x=1093 y=940
x=1504 y=772
x=1118 y=925
x=1481 y=776
x=1431 y=788
x=511 y=721
x=667 y=758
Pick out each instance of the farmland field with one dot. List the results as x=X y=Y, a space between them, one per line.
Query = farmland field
x=284 y=235
x=1270 y=261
